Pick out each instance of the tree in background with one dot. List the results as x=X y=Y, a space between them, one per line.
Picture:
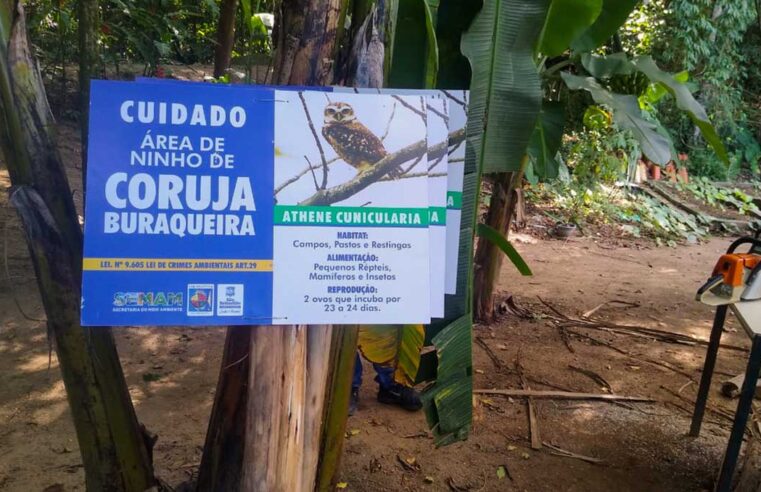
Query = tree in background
x=225 y=37
x=579 y=52
x=281 y=402
x=114 y=449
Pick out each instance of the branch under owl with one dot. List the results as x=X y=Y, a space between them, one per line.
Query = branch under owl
x=380 y=169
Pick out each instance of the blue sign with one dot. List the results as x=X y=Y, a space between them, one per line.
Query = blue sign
x=179 y=217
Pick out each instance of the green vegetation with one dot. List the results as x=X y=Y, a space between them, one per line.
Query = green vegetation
x=574 y=95
x=708 y=192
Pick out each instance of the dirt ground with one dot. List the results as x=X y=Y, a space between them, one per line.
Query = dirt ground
x=172 y=374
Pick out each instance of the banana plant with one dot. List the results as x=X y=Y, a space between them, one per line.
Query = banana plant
x=514 y=47
x=394 y=346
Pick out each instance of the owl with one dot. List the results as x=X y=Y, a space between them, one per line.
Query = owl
x=352 y=141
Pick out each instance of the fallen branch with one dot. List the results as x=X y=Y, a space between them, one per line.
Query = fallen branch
x=561 y=395
x=632 y=356
x=726 y=416
x=593 y=376
x=568 y=454
x=498 y=363
x=565 y=321
x=626 y=304
x=533 y=420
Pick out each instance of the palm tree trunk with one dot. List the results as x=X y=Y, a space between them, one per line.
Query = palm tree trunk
x=115 y=455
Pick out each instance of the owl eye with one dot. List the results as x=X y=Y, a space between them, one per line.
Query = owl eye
x=345 y=111
x=331 y=111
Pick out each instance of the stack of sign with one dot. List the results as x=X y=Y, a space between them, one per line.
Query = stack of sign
x=210 y=204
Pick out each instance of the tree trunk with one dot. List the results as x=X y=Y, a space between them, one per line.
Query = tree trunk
x=305 y=42
x=89 y=63
x=273 y=382
x=342 y=356
x=488 y=258
x=222 y=460
x=225 y=37
x=115 y=455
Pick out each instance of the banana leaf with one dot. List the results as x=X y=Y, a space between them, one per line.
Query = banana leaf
x=454 y=17
x=684 y=101
x=604 y=67
x=653 y=139
x=493 y=236
x=415 y=59
x=613 y=15
x=567 y=20
x=394 y=346
x=500 y=46
x=547 y=139
x=448 y=402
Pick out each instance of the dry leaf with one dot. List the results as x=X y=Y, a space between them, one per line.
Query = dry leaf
x=342 y=485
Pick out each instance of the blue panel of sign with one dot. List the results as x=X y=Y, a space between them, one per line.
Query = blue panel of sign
x=180 y=204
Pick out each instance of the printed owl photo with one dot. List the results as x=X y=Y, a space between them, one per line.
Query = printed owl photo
x=353 y=142
x=327 y=147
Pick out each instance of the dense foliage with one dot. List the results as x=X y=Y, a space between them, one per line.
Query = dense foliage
x=147 y=33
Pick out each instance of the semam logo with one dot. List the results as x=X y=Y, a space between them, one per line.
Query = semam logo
x=148 y=299
x=200 y=300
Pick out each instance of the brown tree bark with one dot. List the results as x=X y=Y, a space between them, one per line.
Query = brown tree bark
x=222 y=460
x=488 y=257
x=305 y=42
x=115 y=455
x=225 y=37
x=264 y=432
x=89 y=63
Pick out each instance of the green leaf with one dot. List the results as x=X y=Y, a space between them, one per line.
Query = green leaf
x=684 y=101
x=500 y=47
x=494 y=237
x=546 y=140
x=448 y=403
x=567 y=20
x=247 y=10
x=613 y=15
x=415 y=57
x=627 y=115
x=596 y=118
x=454 y=17
x=604 y=67
x=501 y=472
x=433 y=7
x=396 y=346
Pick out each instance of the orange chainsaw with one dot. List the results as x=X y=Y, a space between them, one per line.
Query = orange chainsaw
x=736 y=276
